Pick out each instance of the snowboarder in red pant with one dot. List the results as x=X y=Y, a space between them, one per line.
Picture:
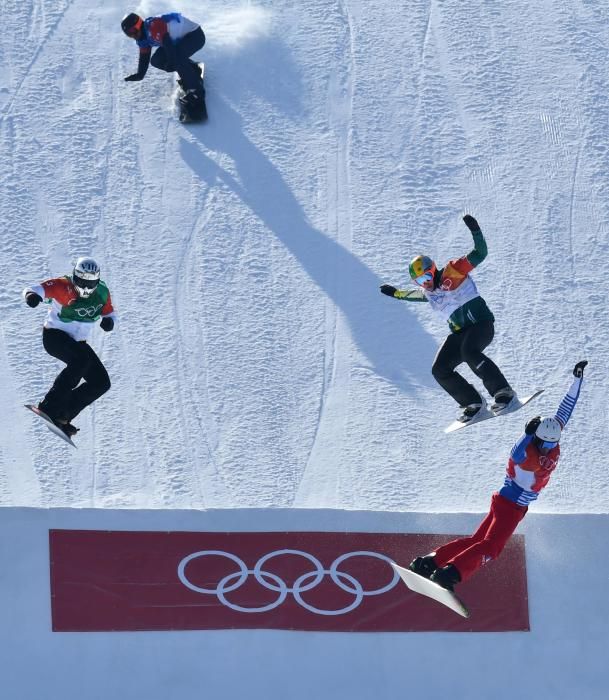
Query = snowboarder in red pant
x=532 y=461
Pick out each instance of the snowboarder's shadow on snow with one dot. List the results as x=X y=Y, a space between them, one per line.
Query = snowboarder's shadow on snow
x=389 y=335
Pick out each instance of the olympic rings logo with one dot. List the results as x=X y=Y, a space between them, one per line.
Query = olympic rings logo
x=274 y=583
x=89 y=311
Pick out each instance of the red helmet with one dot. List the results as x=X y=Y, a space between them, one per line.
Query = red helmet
x=132 y=25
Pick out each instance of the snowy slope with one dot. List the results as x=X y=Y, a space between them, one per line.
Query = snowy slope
x=256 y=363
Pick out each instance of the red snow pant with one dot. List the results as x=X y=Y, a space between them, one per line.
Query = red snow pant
x=468 y=554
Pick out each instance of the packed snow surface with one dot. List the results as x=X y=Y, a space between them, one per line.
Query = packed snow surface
x=255 y=363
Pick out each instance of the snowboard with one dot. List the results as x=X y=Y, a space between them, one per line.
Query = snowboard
x=49 y=423
x=486 y=413
x=423 y=586
x=193 y=111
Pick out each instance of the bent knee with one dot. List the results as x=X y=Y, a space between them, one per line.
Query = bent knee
x=441 y=371
x=474 y=358
x=102 y=383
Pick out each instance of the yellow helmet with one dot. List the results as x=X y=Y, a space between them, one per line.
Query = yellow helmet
x=422 y=269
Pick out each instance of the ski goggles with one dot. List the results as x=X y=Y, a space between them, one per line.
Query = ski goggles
x=84 y=284
x=547 y=445
x=134 y=31
x=425 y=277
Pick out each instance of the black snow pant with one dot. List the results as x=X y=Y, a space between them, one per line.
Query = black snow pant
x=67 y=397
x=467 y=346
x=180 y=61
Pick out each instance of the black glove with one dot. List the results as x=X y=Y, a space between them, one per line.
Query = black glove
x=388 y=290
x=471 y=223
x=532 y=425
x=578 y=370
x=32 y=299
x=134 y=77
x=107 y=323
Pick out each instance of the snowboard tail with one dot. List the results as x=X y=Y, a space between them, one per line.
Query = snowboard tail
x=423 y=586
x=49 y=423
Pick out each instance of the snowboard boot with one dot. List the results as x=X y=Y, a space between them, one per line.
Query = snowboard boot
x=424 y=566
x=65 y=426
x=62 y=422
x=44 y=407
x=447 y=577
x=50 y=410
x=69 y=429
x=502 y=399
x=469 y=412
x=192 y=106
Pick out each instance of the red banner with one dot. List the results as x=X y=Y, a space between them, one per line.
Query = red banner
x=326 y=581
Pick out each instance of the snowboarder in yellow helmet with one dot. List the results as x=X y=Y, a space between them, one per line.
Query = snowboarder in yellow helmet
x=453 y=294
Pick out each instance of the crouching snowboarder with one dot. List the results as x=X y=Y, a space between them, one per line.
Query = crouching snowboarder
x=176 y=39
x=77 y=302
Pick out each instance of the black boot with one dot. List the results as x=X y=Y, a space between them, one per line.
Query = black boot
x=502 y=399
x=52 y=411
x=65 y=426
x=69 y=429
x=447 y=577
x=424 y=566
x=192 y=106
x=44 y=407
x=469 y=412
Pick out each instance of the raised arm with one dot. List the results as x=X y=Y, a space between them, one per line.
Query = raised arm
x=570 y=399
x=480 y=251
x=563 y=414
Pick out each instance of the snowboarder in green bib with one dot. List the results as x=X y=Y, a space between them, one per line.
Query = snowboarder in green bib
x=77 y=302
x=452 y=293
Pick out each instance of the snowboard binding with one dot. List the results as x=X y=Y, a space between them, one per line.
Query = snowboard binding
x=192 y=102
x=192 y=106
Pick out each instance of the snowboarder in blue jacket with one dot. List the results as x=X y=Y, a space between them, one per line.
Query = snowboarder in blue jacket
x=176 y=39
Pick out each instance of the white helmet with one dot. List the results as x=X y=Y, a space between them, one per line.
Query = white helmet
x=548 y=430
x=85 y=276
